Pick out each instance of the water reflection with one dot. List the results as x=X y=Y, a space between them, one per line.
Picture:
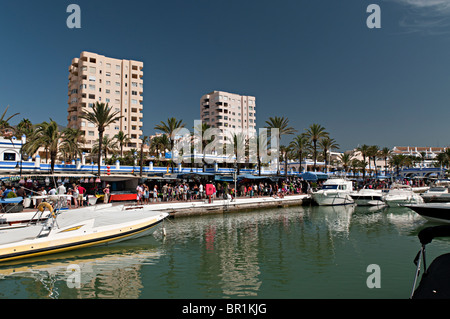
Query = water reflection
x=297 y=252
x=102 y=272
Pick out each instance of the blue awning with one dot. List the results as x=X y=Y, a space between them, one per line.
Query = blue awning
x=313 y=176
x=14 y=200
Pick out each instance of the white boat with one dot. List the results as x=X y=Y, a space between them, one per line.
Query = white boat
x=402 y=196
x=334 y=192
x=78 y=228
x=22 y=219
x=368 y=197
x=436 y=194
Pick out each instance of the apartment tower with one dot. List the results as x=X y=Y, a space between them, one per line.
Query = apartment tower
x=229 y=112
x=96 y=78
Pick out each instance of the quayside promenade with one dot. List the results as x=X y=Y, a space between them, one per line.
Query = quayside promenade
x=218 y=206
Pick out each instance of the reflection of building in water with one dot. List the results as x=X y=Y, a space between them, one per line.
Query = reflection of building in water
x=240 y=267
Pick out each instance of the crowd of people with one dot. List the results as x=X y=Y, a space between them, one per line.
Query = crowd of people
x=76 y=194
x=169 y=192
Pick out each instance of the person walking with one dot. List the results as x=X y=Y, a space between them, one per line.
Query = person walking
x=106 y=191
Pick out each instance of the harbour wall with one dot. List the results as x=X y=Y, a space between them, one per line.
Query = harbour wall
x=187 y=209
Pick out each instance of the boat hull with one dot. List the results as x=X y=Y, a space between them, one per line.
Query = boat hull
x=437 y=213
x=400 y=202
x=63 y=240
x=368 y=200
x=332 y=198
x=436 y=198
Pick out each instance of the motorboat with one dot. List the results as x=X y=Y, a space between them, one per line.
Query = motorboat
x=368 y=197
x=334 y=192
x=434 y=212
x=11 y=217
x=78 y=228
x=438 y=194
x=401 y=196
x=22 y=219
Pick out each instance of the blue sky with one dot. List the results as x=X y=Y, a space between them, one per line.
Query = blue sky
x=313 y=61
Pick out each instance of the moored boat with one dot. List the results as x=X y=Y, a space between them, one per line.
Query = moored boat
x=434 y=212
x=438 y=194
x=79 y=228
x=368 y=197
x=401 y=196
x=334 y=192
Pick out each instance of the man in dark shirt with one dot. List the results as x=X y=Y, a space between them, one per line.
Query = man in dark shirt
x=21 y=192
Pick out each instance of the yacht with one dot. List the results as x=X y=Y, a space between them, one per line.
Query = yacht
x=368 y=197
x=436 y=194
x=433 y=212
x=78 y=228
x=401 y=196
x=334 y=192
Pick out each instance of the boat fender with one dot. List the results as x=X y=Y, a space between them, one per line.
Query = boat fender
x=41 y=207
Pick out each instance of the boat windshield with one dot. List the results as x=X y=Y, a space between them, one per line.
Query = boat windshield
x=329 y=187
x=437 y=189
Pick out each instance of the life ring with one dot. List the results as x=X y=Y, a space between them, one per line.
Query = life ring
x=41 y=207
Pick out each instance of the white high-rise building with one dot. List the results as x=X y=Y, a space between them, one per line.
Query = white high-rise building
x=229 y=112
x=96 y=78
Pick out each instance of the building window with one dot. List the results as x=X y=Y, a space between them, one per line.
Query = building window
x=9 y=156
x=90 y=133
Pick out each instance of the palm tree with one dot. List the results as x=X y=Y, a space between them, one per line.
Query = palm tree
x=300 y=146
x=202 y=129
x=158 y=143
x=441 y=160
x=5 y=128
x=363 y=149
x=346 y=160
x=239 y=141
x=72 y=138
x=25 y=127
x=170 y=128
x=108 y=146
x=385 y=153
x=372 y=153
x=398 y=161
x=327 y=144
x=144 y=140
x=282 y=124
x=284 y=155
x=315 y=133
x=101 y=116
x=46 y=134
x=123 y=139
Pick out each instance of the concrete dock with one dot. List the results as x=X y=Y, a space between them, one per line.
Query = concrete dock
x=185 y=209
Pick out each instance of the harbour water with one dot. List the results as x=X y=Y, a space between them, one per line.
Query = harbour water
x=297 y=252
